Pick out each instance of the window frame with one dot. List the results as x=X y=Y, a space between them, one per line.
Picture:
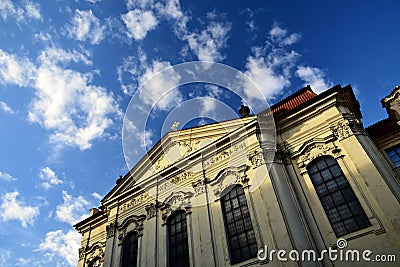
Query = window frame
x=252 y=245
x=339 y=201
x=396 y=150
x=135 y=244
x=171 y=221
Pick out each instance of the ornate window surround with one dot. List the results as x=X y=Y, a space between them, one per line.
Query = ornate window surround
x=318 y=147
x=92 y=252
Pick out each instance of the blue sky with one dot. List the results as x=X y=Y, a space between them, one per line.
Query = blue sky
x=68 y=70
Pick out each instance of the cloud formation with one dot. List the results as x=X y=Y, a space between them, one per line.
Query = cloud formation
x=85 y=26
x=73 y=209
x=62 y=244
x=49 y=177
x=13 y=209
x=66 y=102
x=6 y=108
x=139 y=22
x=24 y=10
x=6 y=177
x=314 y=77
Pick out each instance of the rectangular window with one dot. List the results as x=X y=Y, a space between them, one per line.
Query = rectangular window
x=394 y=155
x=239 y=229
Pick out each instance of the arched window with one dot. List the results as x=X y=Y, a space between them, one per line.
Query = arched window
x=239 y=229
x=178 y=248
x=95 y=262
x=130 y=250
x=341 y=205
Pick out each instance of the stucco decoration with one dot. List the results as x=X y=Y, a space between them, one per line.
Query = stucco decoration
x=228 y=177
x=130 y=224
x=313 y=150
x=95 y=251
x=175 y=201
x=342 y=130
x=256 y=158
x=110 y=229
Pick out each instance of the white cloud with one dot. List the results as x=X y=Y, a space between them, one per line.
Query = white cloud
x=97 y=195
x=171 y=9
x=271 y=67
x=5 y=257
x=208 y=43
x=19 y=71
x=314 y=77
x=66 y=102
x=6 y=108
x=155 y=80
x=6 y=177
x=86 y=26
x=263 y=75
x=281 y=36
x=139 y=3
x=13 y=209
x=49 y=177
x=32 y=10
x=139 y=22
x=27 y=9
x=62 y=245
x=73 y=209
x=145 y=138
x=93 y=1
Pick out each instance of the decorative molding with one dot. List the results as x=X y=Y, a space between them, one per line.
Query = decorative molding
x=228 y=177
x=95 y=251
x=223 y=155
x=315 y=150
x=175 y=201
x=342 y=130
x=178 y=179
x=132 y=223
x=199 y=187
x=151 y=210
x=144 y=197
x=110 y=229
x=256 y=158
x=81 y=253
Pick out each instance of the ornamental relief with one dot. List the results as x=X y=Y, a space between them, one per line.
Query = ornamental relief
x=175 y=201
x=342 y=130
x=228 y=177
x=94 y=251
x=317 y=150
x=132 y=223
x=256 y=158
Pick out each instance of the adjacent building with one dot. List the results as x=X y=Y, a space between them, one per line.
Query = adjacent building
x=223 y=194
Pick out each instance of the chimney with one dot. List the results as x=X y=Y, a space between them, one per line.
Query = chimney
x=93 y=211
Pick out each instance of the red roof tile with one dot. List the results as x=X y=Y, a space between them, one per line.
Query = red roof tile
x=300 y=97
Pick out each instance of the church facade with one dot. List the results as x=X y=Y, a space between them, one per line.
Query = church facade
x=223 y=195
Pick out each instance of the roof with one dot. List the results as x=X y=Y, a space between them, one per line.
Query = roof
x=382 y=128
x=300 y=97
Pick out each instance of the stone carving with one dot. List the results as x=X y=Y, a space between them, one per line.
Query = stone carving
x=132 y=223
x=151 y=210
x=179 y=179
x=228 y=177
x=342 y=130
x=81 y=253
x=176 y=201
x=199 y=187
x=96 y=251
x=144 y=197
x=226 y=154
x=110 y=229
x=256 y=159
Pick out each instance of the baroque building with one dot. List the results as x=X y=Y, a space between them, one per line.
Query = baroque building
x=223 y=195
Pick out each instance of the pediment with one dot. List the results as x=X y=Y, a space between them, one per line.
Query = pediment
x=172 y=148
